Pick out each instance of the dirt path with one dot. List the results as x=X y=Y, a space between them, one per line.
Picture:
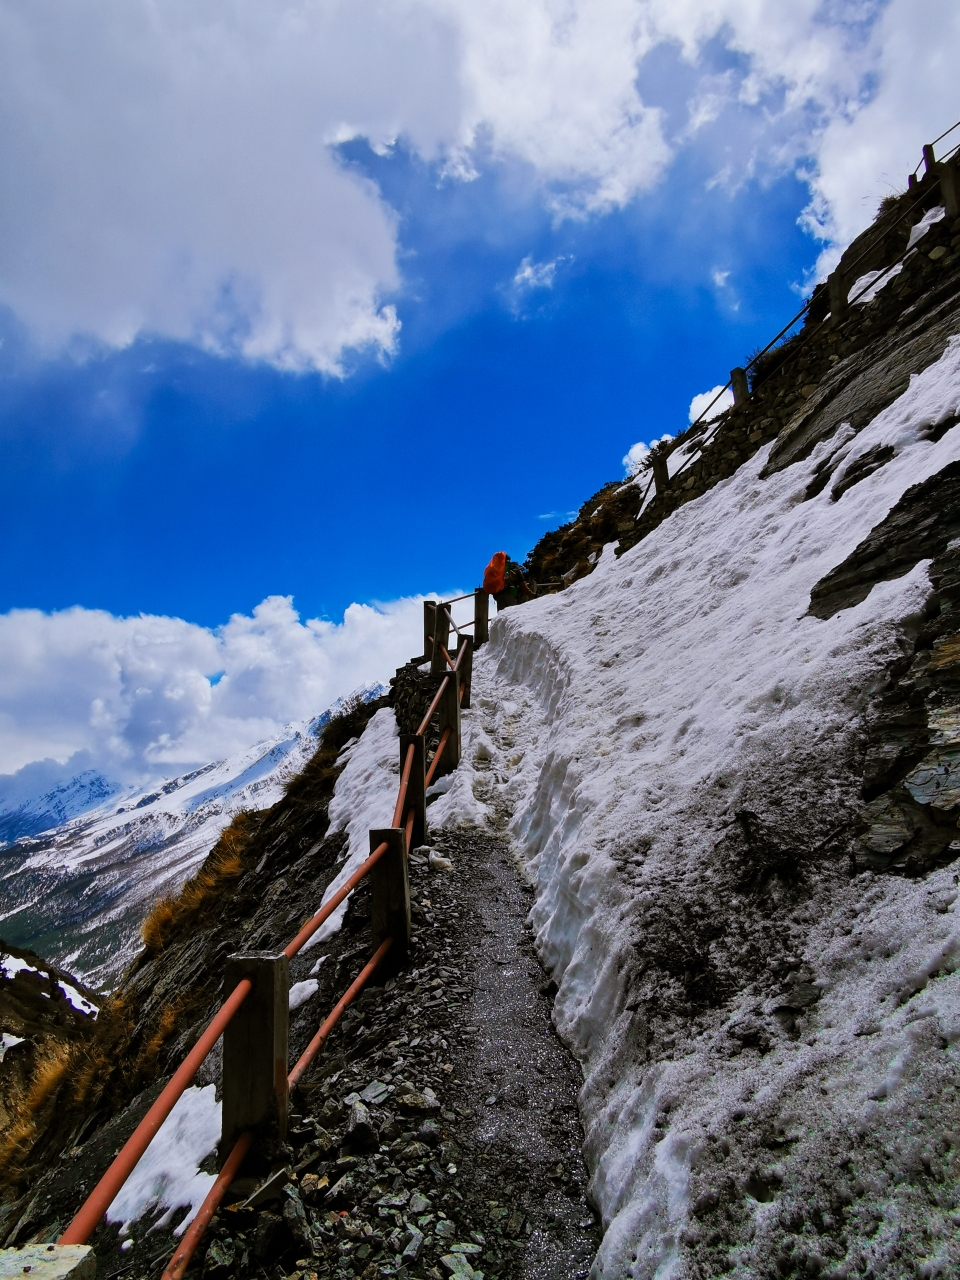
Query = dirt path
x=513 y=1071
x=473 y=1164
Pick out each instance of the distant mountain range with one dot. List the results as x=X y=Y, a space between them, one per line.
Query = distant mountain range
x=82 y=863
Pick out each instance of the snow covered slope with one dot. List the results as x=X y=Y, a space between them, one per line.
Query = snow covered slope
x=78 y=892
x=769 y=1034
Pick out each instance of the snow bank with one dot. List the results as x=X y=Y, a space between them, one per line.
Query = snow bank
x=168 y=1175
x=624 y=724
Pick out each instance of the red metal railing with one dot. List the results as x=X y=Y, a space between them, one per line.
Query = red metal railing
x=104 y=1193
x=195 y=1232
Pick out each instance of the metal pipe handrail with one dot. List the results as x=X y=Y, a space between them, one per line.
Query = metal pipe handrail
x=450 y=616
x=194 y=1234
x=328 y=908
x=457 y=599
x=333 y=1017
x=425 y=722
x=404 y=783
x=816 y=327
x=85 y=1221
x=105 y=1192
x=444 y=739
x=933 y=144
x=181 y=1259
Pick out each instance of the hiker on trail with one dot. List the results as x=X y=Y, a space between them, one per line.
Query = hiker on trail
x=503 y=579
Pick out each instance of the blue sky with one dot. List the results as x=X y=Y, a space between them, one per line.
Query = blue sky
x=164 y=480
x=312 y=304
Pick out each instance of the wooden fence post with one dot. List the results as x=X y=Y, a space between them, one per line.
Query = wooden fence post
x=661 y=472
x=465 y=669
x=416 y=790
x=438 y=662
x=429 y=627
x=254 y=1081
x=929 y=160
x=739 y=385
x=481 y=617
x=448 y=716
x=950 y=187
x=390 y=893
x=838 y=290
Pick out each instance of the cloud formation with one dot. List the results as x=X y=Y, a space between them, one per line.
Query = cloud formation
x=172 y=169
x=706 y=398
x=139 y=696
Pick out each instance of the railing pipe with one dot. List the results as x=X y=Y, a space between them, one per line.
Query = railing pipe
x=445 y=738
x=181 y=1259
x=351 y=993
x=425 y=722
x=328 y=908
x=194 y=1234
x=404 y=783
x=105 y=1192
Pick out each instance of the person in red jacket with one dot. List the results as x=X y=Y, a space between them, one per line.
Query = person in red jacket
x=503 y=579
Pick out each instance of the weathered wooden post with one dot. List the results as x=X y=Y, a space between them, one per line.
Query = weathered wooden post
x=661 y=472
x=255 y=1055
x=416 y=789
x=390 y=893
x=441 y=634
x=429 y=627
x=929 y=160
x=838 y=289
x=739 y=385
x=465 y=668
x=481 y=617
x=950 y=188
x=448 y=717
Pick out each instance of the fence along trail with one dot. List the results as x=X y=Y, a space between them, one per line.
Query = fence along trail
x=255 y=1083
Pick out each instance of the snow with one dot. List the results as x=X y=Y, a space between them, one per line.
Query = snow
x=77 y=1000
x=301 y=992
x=363 y=800
x=920 y=229
x=867 y=286
x=168 y=1175
x=620 y=724
x=9 y=1041
x=12 y=965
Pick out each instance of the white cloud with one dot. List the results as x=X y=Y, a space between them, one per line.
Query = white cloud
x=699 y=403
x=535 y=275
x=168 y=168
x=867 y=151
x=636 y=455
x=133 y=695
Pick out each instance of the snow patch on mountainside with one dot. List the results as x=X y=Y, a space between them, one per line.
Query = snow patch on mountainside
x=624 y=722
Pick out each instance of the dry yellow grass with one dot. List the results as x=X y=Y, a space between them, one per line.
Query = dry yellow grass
x=72 y=1079
x=222 y=867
